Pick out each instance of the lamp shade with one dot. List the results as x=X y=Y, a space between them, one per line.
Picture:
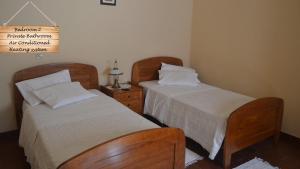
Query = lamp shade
x=116 y=71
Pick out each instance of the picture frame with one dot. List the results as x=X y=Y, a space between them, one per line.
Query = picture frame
x=108 y=2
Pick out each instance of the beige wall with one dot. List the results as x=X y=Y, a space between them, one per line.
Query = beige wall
x=252 y=47
x=95 y=34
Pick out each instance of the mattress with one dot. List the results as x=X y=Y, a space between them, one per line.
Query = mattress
x=201 y=111
x=50 y=137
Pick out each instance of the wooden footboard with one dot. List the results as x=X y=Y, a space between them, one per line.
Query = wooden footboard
x=162 y=148
x=251 y=123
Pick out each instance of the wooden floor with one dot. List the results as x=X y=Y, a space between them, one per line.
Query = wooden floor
x=286 y=154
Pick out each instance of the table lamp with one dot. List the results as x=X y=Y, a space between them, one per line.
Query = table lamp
x=115 y=72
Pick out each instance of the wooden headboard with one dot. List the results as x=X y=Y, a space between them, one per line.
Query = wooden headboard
x=147 y=69
x=87 y=75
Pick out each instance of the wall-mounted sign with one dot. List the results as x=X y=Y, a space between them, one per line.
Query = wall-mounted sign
x=29 y=39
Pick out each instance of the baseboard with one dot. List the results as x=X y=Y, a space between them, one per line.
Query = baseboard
x=289 y=137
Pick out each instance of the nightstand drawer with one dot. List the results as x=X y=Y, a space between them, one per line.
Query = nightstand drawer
x=134 y=105
x=123 y=97
x=133 y=98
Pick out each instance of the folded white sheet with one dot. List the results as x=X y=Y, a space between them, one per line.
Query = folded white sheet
x=179 y=78
x=200 y=111
x=63 y=94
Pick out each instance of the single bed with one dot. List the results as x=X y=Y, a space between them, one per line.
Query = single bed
x=92 y=135
x=209 y=115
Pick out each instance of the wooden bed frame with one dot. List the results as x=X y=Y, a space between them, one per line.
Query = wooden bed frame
x=249 y=124
x=162 y=148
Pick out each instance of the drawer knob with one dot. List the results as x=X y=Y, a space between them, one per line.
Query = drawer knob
x=128 y=105
x=128 y=96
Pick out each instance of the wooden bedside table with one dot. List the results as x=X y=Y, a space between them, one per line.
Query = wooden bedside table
x=132 y=98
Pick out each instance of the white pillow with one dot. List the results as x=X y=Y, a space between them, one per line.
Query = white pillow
x=63 y=94
x=183 y=78
x=169 y=67
x=26 y=87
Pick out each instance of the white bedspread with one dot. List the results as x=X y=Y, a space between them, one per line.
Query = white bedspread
x=200 y=111
x=50 y=137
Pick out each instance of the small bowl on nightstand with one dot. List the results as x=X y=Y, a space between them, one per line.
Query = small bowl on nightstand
x=125 y=86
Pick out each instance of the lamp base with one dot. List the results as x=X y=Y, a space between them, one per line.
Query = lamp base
x=116 y=84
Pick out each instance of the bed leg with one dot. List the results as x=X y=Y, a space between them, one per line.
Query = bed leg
x=226 y=159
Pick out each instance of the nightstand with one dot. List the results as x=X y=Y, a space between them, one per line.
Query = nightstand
x=133 y=98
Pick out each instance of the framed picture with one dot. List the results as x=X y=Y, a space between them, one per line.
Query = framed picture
x=108 y=2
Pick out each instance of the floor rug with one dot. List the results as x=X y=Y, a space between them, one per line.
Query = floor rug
x=191 y=157
x=256 y=163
